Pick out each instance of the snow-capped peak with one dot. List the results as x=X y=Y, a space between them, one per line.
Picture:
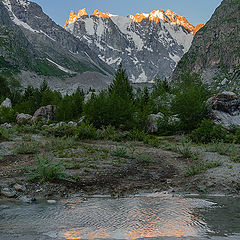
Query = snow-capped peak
x=166 y=16
x=73 y=17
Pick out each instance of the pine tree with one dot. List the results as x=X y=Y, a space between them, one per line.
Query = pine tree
x=121 y=86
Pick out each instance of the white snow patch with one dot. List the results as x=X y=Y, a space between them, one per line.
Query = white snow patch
x=142 y=77
x=128 y=49
x=174 y=57
x=60 y=67
x=182 y=38
x=124 y=25
x=100 y=28
x=89 y=26
x=159 y=14
x=111 y=61
x=18 y=22
x=99 y=45
x=148 y=48
x=24 y=3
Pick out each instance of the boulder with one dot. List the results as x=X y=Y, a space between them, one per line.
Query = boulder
x=6 y=125
x=224 y=109
x=71 y=123
x=21 y=117
x=19 y=188
x=152 y=122
x=60 y=124
x=45 y=113
x=6 y=103
x=9 y=193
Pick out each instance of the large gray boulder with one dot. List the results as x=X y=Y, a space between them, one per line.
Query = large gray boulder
x=6 y=103
x=45 y=113
x=21 y=117
x=152 y=122
x=224 y=108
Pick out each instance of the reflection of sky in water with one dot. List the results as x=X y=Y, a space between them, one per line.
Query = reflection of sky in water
x=133 y=218
x=150 y=216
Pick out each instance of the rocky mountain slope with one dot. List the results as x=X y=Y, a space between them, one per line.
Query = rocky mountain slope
x=31 y=42
x=215 y=51
x=148 y=45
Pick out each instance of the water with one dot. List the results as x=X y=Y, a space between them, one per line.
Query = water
x=154 y=216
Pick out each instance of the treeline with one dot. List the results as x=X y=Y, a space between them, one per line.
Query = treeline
x=119 y=105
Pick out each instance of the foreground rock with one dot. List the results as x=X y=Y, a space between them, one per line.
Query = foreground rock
x=9 y=193
x=6 y=103
x=224 y=108
x=45 y=113
x=21 y=117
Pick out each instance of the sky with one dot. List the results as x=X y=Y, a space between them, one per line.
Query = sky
x=195 y=11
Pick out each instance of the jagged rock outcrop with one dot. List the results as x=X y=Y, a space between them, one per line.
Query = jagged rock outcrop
x=148 y=45
x=45 y=113
x=224 y=108
x=215 y=49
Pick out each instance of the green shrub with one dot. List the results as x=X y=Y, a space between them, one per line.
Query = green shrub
x=7 y=115
x=186 y=151
x=63 y=130
x=167 y=125
x=60 y=144
x=3 y=134
x=48 y=171
x=27 y=147
x=120 y=152
x=144 y=158
x=86 y=131
x=153 y=141
x=208 y=132
x=137 y=135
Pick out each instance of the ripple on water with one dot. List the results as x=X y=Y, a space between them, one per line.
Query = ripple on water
x=133 y=217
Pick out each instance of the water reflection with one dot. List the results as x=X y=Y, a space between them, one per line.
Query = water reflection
x=134 y=218
x=127 y=218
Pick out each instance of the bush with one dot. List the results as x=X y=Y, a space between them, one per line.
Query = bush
x=208 y=132
x=167 y=125
x=137 y=135
x=86 y=131
x=7 y=115
x=27 y=148
x=3 y=134
x=48 y=171
x=63 y=130
x=190 y=101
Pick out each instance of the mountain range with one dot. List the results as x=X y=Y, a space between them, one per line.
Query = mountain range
x=148 y=45
x=87 y=51
x=35 y=48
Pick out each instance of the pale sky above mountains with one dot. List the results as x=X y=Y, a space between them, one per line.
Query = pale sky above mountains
x=195 y=11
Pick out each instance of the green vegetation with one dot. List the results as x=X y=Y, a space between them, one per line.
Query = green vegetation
x=208 y=132
x=27 y=148
x=48 y=171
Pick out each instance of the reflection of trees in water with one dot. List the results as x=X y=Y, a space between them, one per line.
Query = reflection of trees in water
x=223 y=219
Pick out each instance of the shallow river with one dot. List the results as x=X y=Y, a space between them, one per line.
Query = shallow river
x=153 y=216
